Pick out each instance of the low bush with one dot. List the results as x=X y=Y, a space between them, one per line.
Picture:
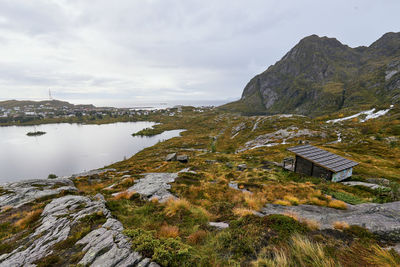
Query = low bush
x=165 y=251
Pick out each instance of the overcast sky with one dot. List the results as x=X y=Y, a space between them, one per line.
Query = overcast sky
x=122 y=52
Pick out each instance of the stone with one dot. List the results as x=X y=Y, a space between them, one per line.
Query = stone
x=379 y=181
x=24 y=192
x=104 y=246
x=381 y=219
x=183 y=158
x=242 y=167
x=219 y=225
x=369 y=185
x=154 y=185
x=170 y=157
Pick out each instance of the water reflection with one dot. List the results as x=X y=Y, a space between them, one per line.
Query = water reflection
x=69 y=148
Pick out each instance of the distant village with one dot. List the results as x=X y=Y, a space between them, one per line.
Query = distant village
x=52 y=110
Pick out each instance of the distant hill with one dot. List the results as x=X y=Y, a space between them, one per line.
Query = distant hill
x=321 y=75
x=48 y=103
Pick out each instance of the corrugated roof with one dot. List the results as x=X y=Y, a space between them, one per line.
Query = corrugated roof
x=323 y=158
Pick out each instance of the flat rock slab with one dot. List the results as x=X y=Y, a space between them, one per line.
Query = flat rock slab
x=219 y=225
x=369 y=185
x=20 y=193
x=381 y=219
x=154 y=185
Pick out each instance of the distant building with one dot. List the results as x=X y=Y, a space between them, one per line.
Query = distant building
x=313 y=161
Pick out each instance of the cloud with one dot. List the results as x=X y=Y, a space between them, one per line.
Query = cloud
x=165 y=49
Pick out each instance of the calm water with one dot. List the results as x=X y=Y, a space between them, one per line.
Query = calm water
x=69 y=148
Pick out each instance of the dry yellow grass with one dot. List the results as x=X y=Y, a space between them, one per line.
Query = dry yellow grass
x=28 y=218
x=124 y=195
x=311 y=224
x=241 y=212
x=337 y=204
x=282 y=202
x=254 y=201
x=197 y=237
x=317 y=201
x=292 y=215
x=339 y=225
x=168 y=231
x=172 y=206
x=292 y=199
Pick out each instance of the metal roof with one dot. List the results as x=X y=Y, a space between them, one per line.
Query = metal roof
x=323 y=158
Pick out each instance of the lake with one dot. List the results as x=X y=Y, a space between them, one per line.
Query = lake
x=68 y=149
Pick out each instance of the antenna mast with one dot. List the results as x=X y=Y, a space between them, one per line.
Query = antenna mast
x=50 y=97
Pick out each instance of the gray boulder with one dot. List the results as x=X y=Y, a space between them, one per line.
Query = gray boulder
x=381 y=219
x=242 y=167
x=154 y=185
x=183 y=158
x=170 y=157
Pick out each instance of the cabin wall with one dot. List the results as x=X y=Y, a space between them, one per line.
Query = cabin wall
x=339 y=176
x=303 y=166
x=308 y=168
x=320 y=172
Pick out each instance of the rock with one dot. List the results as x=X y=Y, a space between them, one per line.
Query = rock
x=154 y=185
x=104 y=246
x=235 y=186
x=92 y=172
x=381 y=219
x=20 y=193
x=369 y=185
x=57 y=219
x=271 y=139
x=242 y=167
x=183 y=158
x=170 y=157
x=126 y=176
x=380 y=181
x=219 y=225
x=107 y=246
x=187 y=170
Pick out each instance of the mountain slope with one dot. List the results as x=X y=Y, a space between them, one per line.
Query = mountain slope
x=321 y=75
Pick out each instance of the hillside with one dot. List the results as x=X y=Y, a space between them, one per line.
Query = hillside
x=229 y=204
x=48 y=103
x=320 y=75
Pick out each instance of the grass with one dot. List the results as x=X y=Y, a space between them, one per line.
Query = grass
x=176 y=232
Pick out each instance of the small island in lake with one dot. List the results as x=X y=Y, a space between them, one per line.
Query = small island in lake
x=36 y=133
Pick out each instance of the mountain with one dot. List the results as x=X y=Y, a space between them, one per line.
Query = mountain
x=321 y=75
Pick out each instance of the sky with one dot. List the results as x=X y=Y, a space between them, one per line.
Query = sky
x=128 y=52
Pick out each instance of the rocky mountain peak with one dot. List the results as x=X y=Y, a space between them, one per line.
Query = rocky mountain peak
x=321 y=75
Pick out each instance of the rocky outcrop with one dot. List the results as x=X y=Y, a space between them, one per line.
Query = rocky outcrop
x=20 y=193
x=282 y=135
x=107 y=246
x=104 y=246
x=154 y=186
x=381 y=219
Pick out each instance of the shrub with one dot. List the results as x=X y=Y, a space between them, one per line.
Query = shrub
x=282 y=202
x=285 y=226
x=165 y=251
x=52 y=176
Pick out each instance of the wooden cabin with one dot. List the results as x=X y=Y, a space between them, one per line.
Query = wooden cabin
x=313 y=161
